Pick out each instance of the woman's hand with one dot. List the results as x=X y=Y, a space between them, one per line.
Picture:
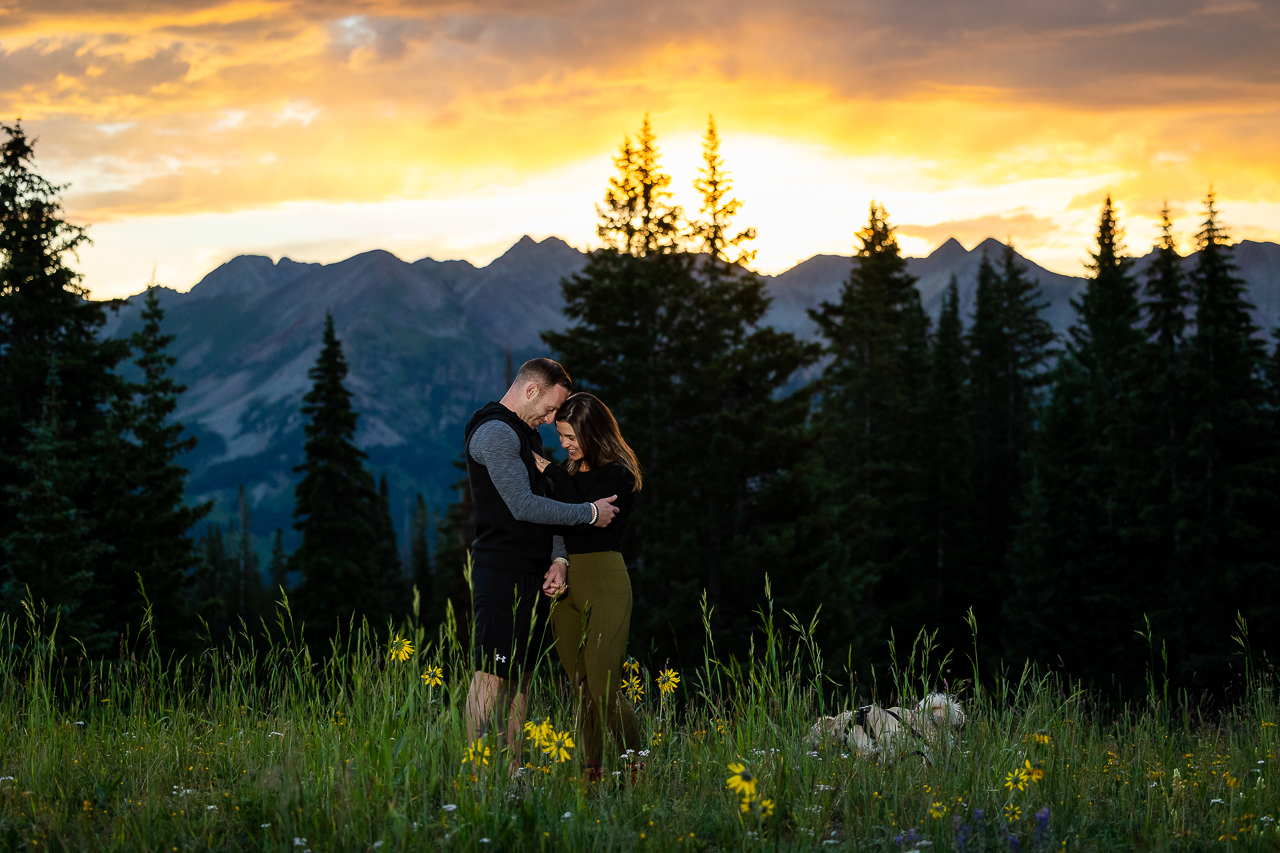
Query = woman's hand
x=540 y=462
x=555 y=581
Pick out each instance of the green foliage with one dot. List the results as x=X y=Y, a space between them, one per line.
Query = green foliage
x=420 y=571
x=672 y=342
x=870 y=438
x=150 y=522
x=260 y=747
x=51 y=549
x=1078 y=532
x=345 y=556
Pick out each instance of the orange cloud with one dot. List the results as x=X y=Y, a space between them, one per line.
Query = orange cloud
x=176 y=107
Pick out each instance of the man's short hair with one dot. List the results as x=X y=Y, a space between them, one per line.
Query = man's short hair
x=545 y=372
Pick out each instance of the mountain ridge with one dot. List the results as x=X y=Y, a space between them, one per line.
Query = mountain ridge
x=427 y=342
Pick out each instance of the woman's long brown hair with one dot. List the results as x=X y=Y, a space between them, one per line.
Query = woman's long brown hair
x=599 y=438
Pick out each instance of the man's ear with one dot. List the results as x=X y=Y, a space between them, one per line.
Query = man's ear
x=531 y=391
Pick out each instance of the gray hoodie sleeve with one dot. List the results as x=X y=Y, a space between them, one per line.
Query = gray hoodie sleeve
x=496 y=446
x=557 y=548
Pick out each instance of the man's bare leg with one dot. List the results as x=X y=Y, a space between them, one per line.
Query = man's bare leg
x=483 y=697
x=490 y=695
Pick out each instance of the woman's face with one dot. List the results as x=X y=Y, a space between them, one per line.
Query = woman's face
x=569 y=440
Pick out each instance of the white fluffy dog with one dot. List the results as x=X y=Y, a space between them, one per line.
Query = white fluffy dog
x=889 y=732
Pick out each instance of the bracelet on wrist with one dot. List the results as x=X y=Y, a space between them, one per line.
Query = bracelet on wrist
x=595 y=513
x=564 y=560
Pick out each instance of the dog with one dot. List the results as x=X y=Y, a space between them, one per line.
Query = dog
x=885 y=733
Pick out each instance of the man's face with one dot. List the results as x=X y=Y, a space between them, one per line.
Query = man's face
x=541 y=405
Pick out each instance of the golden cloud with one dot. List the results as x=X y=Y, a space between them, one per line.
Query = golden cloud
x=173 y=106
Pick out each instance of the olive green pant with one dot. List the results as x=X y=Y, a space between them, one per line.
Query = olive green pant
x=591 y=622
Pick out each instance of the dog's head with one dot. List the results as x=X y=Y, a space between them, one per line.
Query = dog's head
x=941 y=710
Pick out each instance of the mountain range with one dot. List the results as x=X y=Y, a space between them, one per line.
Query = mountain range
x=427 y=342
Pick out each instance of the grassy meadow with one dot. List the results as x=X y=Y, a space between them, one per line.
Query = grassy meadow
x=266 y=748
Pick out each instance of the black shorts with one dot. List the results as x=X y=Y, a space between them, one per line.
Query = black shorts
x=511 y=632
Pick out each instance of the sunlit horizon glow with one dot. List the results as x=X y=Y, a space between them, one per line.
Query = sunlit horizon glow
x=191 y=132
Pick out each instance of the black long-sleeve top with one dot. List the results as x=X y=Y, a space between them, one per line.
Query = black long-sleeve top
x=589 y=486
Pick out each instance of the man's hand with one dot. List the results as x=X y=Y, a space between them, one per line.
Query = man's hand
x=556 y=580
x=607 y=510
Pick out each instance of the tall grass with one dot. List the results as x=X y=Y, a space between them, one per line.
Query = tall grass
x=263 y=747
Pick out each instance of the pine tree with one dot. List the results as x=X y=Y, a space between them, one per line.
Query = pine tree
x=1086 y=466
x=638 y=218
x=335 y=506
x=714 y=230
x=870 y=439
x=214 y=589
x=1229 y=470
x=248 y=579
x=1163 y=425
x=1010 y=344
x=455 y=532
x=949 y=468
x=151 y=522
x=390 y=576
x=45 y=316
x=51 y=550
x=672 y=342
x=420 y=558
x=278 y=568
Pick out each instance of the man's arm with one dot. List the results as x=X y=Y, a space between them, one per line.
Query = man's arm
x=496 y=446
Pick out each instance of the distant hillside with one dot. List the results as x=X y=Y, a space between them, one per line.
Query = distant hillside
x=427 y=343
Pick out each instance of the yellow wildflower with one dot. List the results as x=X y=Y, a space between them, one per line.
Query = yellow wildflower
x=477 y=753
x=632 y=666
x=668 y=681
x=1016 y=779
x=634 y=689
x=433 y=677
x=1042 y=738
x=1012 y=813
x=766 y=808
x=400 y=649
x=1035 y=774
x=540 y=733
x=938 y=810
x=558 y=746
x=741 y=782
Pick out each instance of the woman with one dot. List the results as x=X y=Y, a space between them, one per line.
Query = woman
x=593 y=616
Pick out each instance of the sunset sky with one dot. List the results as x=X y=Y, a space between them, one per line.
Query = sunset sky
x=191 y=132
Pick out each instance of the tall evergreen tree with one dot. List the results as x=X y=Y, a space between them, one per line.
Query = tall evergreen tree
x=455 y=532
x=50 y=549
x=335 y=506
x=1087 y=476
x=44 y=317
x=638 y=218
x=1163 y=423
x=948 y=465
x=870 y=439
x=672 y=342
x=151 y=522
x=248 y=579
x=420 y=557
x=1229 y=470
x=390 y=575
x=278 y=568
x=1010 y=343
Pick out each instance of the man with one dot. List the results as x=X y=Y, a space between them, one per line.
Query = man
x=510 y=580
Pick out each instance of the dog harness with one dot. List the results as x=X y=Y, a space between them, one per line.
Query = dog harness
x=860 y=719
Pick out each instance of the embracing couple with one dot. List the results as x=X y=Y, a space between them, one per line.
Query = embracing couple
x=543 y=533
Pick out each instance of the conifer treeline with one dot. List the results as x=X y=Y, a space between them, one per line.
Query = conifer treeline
x=1061 y=495
x=1095 y=503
